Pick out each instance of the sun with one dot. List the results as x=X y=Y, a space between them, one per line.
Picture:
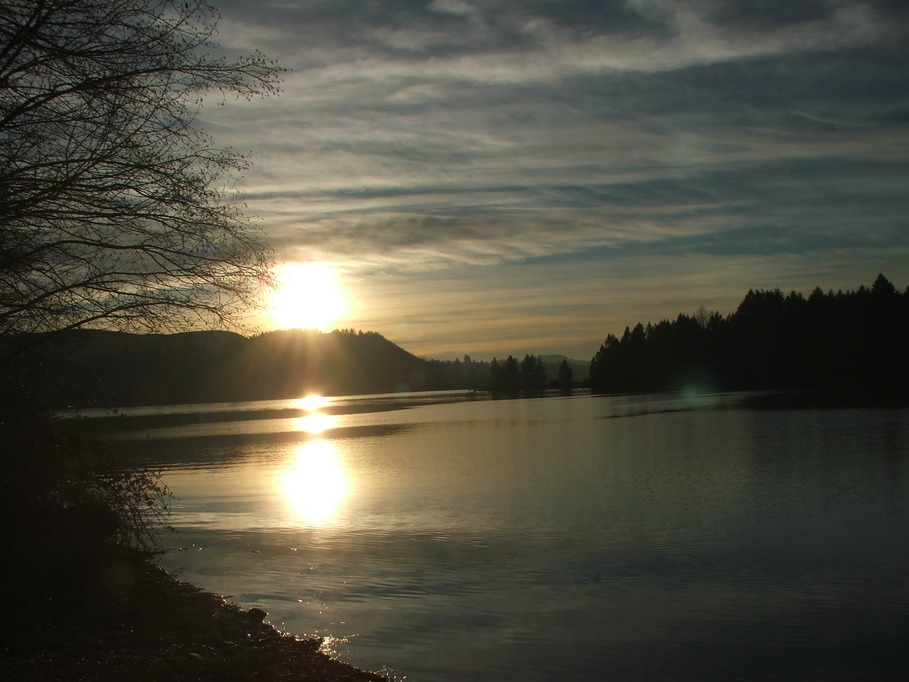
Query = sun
x=307 y=296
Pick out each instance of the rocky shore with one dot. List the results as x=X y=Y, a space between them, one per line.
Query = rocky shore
x=131 y=620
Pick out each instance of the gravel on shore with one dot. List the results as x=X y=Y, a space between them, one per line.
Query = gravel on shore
x=134 y=621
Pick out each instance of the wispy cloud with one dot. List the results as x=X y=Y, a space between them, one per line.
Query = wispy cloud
x=415 y=139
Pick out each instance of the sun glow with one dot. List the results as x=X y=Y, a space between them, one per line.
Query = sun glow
x=307 y=296
x=315 y=485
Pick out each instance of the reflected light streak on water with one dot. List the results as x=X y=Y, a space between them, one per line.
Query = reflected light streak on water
x=316 y=423
x=315 y=485
x=312 y=403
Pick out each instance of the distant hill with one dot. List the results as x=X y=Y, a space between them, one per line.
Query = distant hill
x=108 y=369
x=95 y=368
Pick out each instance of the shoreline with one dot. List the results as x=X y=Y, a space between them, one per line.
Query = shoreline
x=136 y=621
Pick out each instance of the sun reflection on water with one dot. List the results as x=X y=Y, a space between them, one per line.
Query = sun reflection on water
x=316 y=422
x=312 y=402
x=315 y=485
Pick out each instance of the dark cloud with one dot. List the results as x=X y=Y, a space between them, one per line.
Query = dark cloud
x=769 y=13
x=586 y=17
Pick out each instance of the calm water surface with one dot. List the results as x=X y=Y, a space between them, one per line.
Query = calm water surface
x=559 y=538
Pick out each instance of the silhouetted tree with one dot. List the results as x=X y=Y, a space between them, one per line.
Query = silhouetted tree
x=566 y=376
x=533 y=374
x=113 y=213
x=511 y=375
x=111 y=201
x=496 y=379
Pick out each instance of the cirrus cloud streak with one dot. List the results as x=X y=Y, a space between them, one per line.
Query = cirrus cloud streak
x=669 y=153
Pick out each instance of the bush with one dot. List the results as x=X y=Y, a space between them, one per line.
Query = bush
x=69 y=502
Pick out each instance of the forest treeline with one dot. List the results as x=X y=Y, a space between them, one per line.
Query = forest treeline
x=95 y=368
x=528 y=376
x=848 y=345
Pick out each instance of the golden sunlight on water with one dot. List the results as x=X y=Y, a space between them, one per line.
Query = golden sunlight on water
x=311 y=403
x=315 y=485
x=315 y=422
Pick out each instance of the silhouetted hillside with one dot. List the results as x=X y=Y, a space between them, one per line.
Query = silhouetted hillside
x=101 y=368
x=109 y=369
x=848 y=347
x=331 y=364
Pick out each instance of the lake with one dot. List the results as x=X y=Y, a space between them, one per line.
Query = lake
x=443 y=537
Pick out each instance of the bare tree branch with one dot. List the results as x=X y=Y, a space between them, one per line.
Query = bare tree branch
x=112 y=207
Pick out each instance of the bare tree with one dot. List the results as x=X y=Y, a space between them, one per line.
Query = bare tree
x=114 y=212
x=114 y=208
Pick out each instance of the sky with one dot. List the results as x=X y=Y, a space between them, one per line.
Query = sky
x=505 y=177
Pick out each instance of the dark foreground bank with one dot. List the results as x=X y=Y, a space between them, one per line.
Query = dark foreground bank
x=137 y=622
